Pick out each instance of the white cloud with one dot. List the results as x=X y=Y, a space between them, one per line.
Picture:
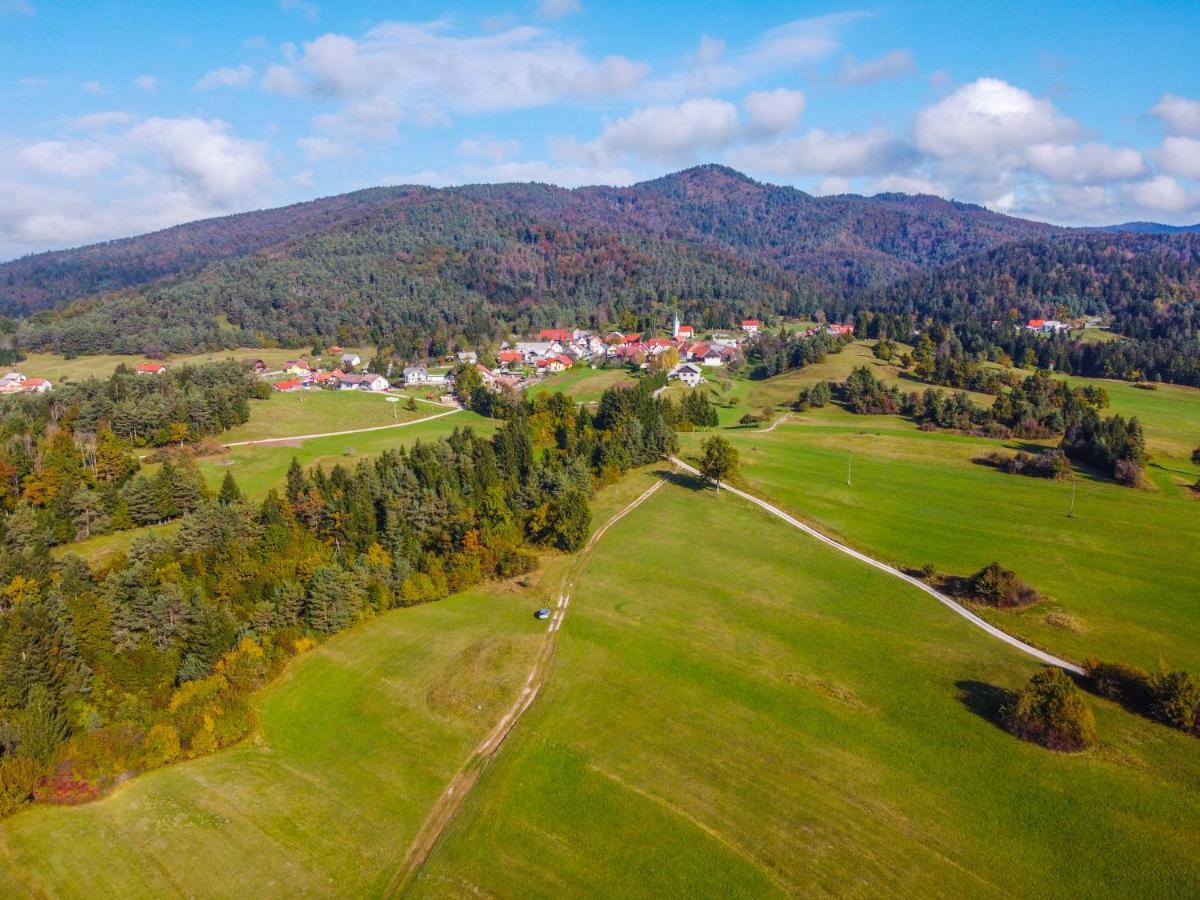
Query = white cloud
x=225 y=77
x=989 y=118
x=821 y=152
x=1161 y=194
x=769 y=113
x=93 y=87
x=98 y=121
x=146 y=83
x=401 y=68
x=488 y=149
x=72 y=159
x=1180 y=156
x=557 y=9
x=896 y=64
x=1180 y=115
x=672 y=134
x=205 y=158
x=318 y=149
x=1089 y=163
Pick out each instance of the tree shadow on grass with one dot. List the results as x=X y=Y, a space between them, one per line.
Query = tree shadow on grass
x=985 y=700
x=684 y=479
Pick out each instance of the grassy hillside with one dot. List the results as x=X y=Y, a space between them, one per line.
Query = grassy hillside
x=722 y=722
x=355 y=742
x=320 y=411
x=58 y=368
x=582 y=384
x=1123 y=567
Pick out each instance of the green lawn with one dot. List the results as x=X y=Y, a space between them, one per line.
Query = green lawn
x=258 y=468
x=728 y=721
x=1124 y=567
x=320 y=411
x=582 y=384
x=356 y=741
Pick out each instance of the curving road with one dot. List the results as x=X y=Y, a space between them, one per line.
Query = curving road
x=978 y=622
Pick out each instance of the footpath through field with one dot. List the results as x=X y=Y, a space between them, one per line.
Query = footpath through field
x=983 y=624
x=324 y=434
x=462 y=782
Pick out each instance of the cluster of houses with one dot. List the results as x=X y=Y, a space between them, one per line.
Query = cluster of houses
x=305 y=375
x=1046 y=326
x=16 y=383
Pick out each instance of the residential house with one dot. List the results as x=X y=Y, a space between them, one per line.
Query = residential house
x=255 y=365
x=838 y=330
x=467 y=357
x=688 y=373
x=554 y=363
x=561 y=335
x=150 y=369
x=368 y=382
x=751 y=326
x=288 y=386
x=350 y=360
x=532 y=351
x=1047 y=326
x=508 y=358
x=298 y=367
x=333 y=350
x=12 y=381
x=416 y=375
x=36 y=386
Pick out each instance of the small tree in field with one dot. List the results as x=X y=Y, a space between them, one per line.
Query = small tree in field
x=1050 y=710
x=230 y=492
x=719 y=461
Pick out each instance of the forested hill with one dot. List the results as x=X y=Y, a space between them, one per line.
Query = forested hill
x=421 y=269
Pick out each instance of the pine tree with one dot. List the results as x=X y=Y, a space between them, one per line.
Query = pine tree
x=230 y=493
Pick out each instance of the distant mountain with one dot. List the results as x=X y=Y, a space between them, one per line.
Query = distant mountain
x=1153 y=228
x=420 y=268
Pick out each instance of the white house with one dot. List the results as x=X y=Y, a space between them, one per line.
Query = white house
x=688 y=373
x=12 y=379
x=416 y=375
x=350 y=360
x=368 y=382
x=36 y=385
x=467 y=357
x=751 y=326
x=532 y=351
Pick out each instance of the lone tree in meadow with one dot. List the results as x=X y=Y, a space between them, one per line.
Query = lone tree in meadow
x=719 y=461
x=1050 y=710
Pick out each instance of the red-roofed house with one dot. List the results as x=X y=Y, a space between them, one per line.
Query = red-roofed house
x=685 y=331
x=840 y=329
x=150 y=369
x=697 y=350
x=751 y=326
x=292 y=384
x=631 y=338
x=551 y=364
x=554 y=334
x=509 y=357
x=660 y=343
x=35 y=385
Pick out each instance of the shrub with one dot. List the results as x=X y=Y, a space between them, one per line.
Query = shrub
x=1121 y=683
x=1175 y=698
x=1127 y=472
x=1050 y=711
x=999 y=587
x=18 y=778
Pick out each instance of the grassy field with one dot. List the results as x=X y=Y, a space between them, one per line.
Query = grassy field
x=58 y=369
x=320 y=411
x=582 y=384
x=356 y=740
x=260 y=467
x=1123 y=568
x=788 y=722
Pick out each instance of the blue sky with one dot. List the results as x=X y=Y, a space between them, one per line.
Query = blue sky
x=124 y=117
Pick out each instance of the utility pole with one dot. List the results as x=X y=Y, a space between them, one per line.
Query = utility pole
x=1071 y=512
x=849 y=462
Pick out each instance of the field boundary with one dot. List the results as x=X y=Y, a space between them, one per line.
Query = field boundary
x=325 y=434
x=977 y=621
x=464 y=779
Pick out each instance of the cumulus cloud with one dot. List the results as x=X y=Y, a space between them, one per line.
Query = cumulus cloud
x=398 y=68
x=205 y=157
x=987 y=119
x=896 y=64
x=821 y=152
x=1161 y=194
x=1180 y=115
x=225 y=77
x=1180 y=156
x=72 y=159
x=146 y=83
x=769 y=113
x=1089 y=163
x=673 y=134
x=557 y=9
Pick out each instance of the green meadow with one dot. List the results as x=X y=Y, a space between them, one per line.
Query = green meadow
x=736 y=710
x=581 y=383
x=59 y=369
x=320 y=411
x=355 y=741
